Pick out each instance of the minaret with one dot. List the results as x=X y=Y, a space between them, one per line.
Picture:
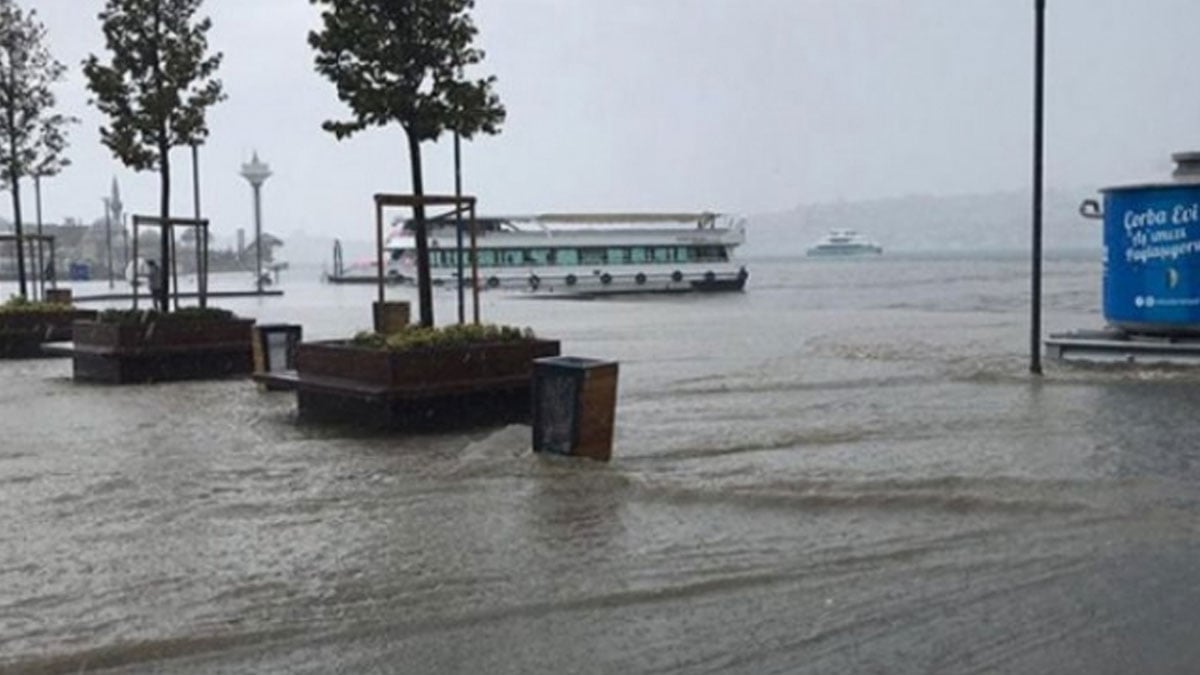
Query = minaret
x=117 y=209
x=115 y=201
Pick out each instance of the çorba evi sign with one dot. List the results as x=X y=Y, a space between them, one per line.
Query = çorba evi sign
x=1152 y=270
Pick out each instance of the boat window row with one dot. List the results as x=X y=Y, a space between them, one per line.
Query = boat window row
x=584 y=256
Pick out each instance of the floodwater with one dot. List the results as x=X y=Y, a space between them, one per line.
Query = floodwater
x=845 y=469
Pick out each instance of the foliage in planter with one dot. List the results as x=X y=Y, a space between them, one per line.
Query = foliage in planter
x=19 y=305
x=145 y=316
x=420 y=337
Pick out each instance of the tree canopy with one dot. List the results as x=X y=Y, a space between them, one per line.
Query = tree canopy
x=159 y=82
x=155 y=91
x=32 y=136
x=402 y=61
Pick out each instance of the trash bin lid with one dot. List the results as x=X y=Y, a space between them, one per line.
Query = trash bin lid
x=1186 y=174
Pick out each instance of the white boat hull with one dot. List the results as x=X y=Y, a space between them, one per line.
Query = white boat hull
x=857 y=251
x=561 y=281
x=844 y=243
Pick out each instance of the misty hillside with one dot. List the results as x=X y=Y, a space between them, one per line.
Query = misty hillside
x=990 y=222
x=916 y=224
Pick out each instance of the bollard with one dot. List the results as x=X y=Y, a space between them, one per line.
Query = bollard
x=59 y=296
x=390 y=317
x=574 y=406
x=274 y=348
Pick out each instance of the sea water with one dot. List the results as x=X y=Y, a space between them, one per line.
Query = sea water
x=847 y=468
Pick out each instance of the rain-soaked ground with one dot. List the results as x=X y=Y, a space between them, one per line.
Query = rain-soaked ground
x=845 y=469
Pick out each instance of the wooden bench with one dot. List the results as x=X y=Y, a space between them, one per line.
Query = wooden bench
x=499 y=400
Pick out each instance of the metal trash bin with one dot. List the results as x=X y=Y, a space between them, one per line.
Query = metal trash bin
x=59 y=296
x=275 y=349
x=574 y=406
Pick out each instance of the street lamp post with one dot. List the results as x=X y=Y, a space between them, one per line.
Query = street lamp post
x=458 y=221
x=1039 y=99
x=201 y=232
x=41 y=264
x=458 y=230
x=257 y=172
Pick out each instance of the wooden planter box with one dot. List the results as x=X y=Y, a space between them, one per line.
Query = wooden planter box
x=23 y=333
x=118 y=353
x=163 y=334
x=443 y=388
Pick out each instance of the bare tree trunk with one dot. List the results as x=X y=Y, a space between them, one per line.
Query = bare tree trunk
x=164 y=254
x=14 y=169
x=16 y=198
x=164 y=172
x=424 y=285
x=39 y=285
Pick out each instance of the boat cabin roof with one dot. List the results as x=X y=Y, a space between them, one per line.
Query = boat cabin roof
x=702 y=220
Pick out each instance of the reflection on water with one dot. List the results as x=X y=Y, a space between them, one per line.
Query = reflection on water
x=845 y=469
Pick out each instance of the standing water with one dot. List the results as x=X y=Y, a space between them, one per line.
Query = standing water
x=845 y=469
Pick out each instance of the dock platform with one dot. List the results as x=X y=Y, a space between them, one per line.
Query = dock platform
x=362 y=279
x=1117 y=346
x=189 y=295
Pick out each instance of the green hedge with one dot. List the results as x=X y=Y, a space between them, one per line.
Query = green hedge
x=420 y=337
x=18 y=305
x=136 y=316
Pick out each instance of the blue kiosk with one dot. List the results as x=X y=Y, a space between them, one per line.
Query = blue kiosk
x=1151 y=287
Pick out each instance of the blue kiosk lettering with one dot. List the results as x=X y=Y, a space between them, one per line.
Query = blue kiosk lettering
x=1147 y=242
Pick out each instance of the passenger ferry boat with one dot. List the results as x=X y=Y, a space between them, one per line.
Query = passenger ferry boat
x=580 y=254
x=844 y=243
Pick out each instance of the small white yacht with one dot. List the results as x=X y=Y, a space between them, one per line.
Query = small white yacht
x=844 y=243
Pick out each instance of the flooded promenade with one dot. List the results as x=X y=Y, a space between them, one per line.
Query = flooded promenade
x=844 y=469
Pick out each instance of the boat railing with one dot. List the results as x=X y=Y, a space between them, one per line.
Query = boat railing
x=545 y=223
x=702 y=220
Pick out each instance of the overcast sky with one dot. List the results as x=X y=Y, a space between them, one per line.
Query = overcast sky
x=744 y=106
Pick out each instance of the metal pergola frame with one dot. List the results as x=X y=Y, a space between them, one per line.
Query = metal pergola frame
x=38 y=239
x=459 y=205
x=167 y=226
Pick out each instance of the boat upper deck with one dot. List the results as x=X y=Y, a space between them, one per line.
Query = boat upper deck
x=582 y=230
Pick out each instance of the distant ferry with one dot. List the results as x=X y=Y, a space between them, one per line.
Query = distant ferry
x=844 y=243
x=577 y=254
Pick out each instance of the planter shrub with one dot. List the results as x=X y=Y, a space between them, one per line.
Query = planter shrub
x=25 y=325
x=422 y=377
x=144 y=345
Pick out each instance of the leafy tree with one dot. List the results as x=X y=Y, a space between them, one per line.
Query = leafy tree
x=155 y=91
x=32 y=136
x=401 y=61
